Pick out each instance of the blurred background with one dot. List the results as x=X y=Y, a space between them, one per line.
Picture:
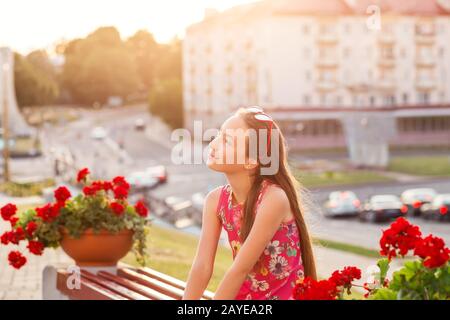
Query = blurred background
x=360 y=88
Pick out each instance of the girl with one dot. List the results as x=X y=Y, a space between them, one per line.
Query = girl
x=261 y=213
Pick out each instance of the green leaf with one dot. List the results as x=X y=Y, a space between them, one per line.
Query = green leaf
x=383 y=264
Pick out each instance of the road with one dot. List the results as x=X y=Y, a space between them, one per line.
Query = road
x=142 y=149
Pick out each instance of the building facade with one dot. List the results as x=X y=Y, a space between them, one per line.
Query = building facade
x=311 y=64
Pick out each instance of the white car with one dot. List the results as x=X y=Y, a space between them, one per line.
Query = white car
x=142 y=180
x=342 y=203
x=99 y=133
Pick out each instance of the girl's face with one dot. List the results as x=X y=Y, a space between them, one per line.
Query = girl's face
x=227 y=150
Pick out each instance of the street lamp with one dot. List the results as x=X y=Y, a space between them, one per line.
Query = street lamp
x=5 y=124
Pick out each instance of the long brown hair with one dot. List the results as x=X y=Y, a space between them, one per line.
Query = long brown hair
x=284 y=178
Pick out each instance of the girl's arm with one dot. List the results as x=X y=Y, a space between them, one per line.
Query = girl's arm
x=203 y=265
x=273 y=209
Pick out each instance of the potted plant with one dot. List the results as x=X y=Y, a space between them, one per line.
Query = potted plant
x=98 y=227
x=425 y=278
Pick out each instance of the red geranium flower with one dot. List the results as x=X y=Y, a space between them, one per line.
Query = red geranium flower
x=120 y=192
x=90 y=190
x=62 y=194
x=82 y=174
x=48 y=212
x=399 y=238
x=117 y=208
x=36 y=247
x=13 y=221
x=31 y=228
x=345 y=277
x=120 y=181
x=8 y=211
x=433 y=251
x=16 y=235
x=6 y=237
x=141 y=209
x=103 y=185
x=16 y=259
x=310 y=289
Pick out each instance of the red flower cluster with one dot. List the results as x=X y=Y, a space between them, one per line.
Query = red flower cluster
x=82 y=174
x=49 y=212
x=62 y=194
x=16 y=259
x=121 y=188
x=36 y=247
x=399 y=238
x=117 y=208
x=31 y=228
x=8 y=211
x=310 y=289
x=433 y=251
x=403 y=236
x=345 y=277
x=141 y=209
x=14 y=236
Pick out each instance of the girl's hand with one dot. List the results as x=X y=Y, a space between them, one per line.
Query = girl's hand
x=203 y=265
x=273 y=209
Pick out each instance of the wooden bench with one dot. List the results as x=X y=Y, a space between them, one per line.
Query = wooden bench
x=122 y=283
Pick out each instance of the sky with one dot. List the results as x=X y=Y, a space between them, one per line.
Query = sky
x=26 y=25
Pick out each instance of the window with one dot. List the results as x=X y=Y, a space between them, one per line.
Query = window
x=405 y=98
x=306 y=99
x=389 y=100
x=423 y=97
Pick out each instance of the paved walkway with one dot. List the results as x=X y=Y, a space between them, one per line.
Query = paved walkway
x=25 y=283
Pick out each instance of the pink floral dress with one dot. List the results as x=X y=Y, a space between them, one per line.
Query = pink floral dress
x=274 y=277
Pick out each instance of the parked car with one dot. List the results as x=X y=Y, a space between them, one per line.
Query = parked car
x=383 y=207
x=198 y=201
x=415 y=198
x=438 y=209
x=139 y=124
x=341 y=204
x=142 y=180
x=178 y=209
x=158 y=172
x=99 y=133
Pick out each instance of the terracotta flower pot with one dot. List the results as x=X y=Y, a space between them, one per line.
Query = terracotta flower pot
x=95 y=250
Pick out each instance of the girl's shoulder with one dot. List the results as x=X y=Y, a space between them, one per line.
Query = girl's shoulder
x=213 y=198
x=272 y=192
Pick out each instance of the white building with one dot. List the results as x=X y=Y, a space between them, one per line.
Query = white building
x=309 y=63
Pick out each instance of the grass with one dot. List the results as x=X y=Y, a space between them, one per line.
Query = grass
x=15 y=189
x=172 y=252
x=422 y=165
x=370 y=253
x=338 y=178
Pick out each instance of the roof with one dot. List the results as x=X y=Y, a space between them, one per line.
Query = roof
x=246 y=12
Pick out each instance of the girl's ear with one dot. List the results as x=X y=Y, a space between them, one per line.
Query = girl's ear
x=251 y=164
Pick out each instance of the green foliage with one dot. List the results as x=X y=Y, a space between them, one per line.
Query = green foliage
x=34 y=79
x=414 y=282
x=167 y=103
x=98 y=67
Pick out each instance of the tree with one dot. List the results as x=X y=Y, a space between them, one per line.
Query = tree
x=167 y=103
x=146 y=53
x=34 y=80
x=98 y=67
